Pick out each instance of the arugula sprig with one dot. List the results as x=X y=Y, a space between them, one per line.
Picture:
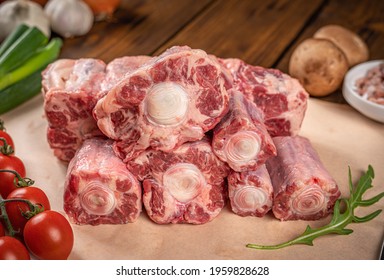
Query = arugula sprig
x=340 y=219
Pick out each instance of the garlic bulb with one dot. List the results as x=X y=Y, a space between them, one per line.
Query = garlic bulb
x=16 y=12
x=69 y=17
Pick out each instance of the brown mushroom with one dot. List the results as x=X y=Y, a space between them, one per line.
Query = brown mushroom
x=319 y=65
x=349 y=42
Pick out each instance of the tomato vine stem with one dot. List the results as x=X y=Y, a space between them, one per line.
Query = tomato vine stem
x=6 y=149
x=34 y=209
x=19 y=181
x=2 y=127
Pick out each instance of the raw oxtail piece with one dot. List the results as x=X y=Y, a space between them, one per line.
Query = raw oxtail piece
x=241 y=138
x=174 y=98
x=99 y=189
x=303 y=188
x=281 y=97
x=71 y=89
x=119 y=67
x=186 y=185
x=250 y=192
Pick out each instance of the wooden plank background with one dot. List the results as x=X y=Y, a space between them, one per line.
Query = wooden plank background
x=250 y=30
x=261 y=32
x=138 y=28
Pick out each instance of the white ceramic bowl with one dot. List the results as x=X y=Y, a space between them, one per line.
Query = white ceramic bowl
x=368 y=108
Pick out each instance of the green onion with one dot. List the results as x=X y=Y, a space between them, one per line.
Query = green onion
x=20 y=92
x=12 y=38
x=23 y=56
x=40 y=60
x=23 y=48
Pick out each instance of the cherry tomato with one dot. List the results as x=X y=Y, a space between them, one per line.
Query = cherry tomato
x=2 y=230
x=12 y=249
x=49 y=236
x=6 y=136
x=6 y=178
x=15 y=209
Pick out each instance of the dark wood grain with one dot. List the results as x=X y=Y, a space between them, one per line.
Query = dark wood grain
x=261 y=32
x=137 y=28
x=366 y=18
x=255 y=31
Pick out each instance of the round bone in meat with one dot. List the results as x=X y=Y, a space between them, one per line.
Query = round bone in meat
x=250 y=192
x=96 y=199
x=242 y=147
x=241 y=138
x=98 y=188
x=166 y=104
x=186 y=185
x=249 y=198
x=303 y=188
x=174 y=98
x=184 y=181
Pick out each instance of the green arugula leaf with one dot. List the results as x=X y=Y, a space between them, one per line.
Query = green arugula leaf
x=340 y=219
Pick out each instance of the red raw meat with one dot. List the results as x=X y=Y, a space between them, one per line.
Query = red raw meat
x=99 y=189
x=119 y=67
x=172 y=99
x=303 y=188
x=281 y=97
x=71 y=89
x=250 y=192
x=241 y=138
x=186 y=185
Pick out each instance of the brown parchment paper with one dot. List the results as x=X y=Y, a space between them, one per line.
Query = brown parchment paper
x=342 y=137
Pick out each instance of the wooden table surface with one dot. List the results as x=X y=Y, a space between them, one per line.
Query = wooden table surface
x=261 y=32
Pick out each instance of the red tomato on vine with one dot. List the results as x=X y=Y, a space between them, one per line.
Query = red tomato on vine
x=9 y=162
x=2 y=230
x=12 y=249
x=49 y=236
x=16 y=209
x=6 y=136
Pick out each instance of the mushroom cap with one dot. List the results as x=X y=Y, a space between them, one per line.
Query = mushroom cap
x=353 y=46
x=319 y=65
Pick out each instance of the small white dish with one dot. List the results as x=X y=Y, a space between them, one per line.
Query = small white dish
x=368 y=108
